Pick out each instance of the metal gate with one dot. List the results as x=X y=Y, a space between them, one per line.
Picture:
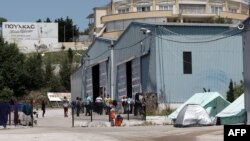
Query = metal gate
x=121 y=80
x=89 y=83
x=103 y=77
x=136 y=76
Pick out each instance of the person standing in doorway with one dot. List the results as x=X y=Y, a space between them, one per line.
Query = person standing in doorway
x=43 y=106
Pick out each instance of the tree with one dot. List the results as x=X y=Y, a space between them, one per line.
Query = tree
x=55 y=84
x=34 y=72
x=1 y=82
x=2 y=19
x=85 y=32
x=12 y=69
x=6 y=94
x=230 y=93
x=65 y=71
x=48 y=70
x=238 y=89
x=48 y=20
x=39 y=21
x=68 y=32
x=70 y=55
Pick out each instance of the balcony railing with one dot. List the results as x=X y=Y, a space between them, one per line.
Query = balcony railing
x=192 y=1
x=136 y=15
x=233 y=15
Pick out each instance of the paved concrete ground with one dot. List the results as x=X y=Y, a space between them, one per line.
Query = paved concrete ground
x=55 y=127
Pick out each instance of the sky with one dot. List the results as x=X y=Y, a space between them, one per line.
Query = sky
x=32 y=10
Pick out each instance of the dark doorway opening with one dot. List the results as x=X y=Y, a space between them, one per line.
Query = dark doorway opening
x=129 y=78
x=96 y=81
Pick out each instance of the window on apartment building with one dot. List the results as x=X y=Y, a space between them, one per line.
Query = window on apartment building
x=232 y=10
x=187 y=62
x=123 y=10
x=165 y=7
x=216 y=9
x=192 y=8
x=143 y=8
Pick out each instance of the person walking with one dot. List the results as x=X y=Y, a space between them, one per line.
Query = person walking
x=43 y=107
x=137 y=105
x=78 y=106
x=15 y=108
x=88 y=105
x=99 y=102
x=5 y=110
x=65 y=106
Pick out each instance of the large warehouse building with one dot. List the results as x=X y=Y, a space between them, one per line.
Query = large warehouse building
x=174 y=61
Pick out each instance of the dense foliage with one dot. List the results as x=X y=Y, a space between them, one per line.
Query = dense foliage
x=20 y=74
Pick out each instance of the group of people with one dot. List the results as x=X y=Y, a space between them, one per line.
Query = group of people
x=99 y=105
x=104 y=104
x=77 y=105
x=13 y=105
x=139 y=104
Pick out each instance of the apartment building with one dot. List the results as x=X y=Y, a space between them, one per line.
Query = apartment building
x=111 y=20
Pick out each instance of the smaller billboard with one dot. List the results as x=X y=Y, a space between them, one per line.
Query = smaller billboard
x=58 y=96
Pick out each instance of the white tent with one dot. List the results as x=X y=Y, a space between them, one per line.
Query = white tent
x=192 y=115
x=212 y=102
x=235 y=113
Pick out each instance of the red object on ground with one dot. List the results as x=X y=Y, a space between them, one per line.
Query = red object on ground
x=118 y=121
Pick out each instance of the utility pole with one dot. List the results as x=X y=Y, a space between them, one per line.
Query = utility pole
x=112 y=68
x=63 y=33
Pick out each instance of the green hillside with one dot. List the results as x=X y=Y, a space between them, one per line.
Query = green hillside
x=58 y=57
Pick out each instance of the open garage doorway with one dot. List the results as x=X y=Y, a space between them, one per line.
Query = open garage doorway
x=129 y=78
x=96 y=81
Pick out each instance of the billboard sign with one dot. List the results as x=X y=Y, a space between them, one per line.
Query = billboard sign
x=58 y=96
x=31 y=37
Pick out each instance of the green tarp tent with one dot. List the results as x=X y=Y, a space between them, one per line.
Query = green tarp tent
x=234 y=113
x=212 y=102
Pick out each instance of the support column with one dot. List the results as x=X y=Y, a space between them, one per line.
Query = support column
x=246 y=71
x=131 y=6
x=112 y=70
x=240 y=9
x=226 y=6
x=177 y=8
x=207 y=10
x=153 y=5
x=113 y=7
